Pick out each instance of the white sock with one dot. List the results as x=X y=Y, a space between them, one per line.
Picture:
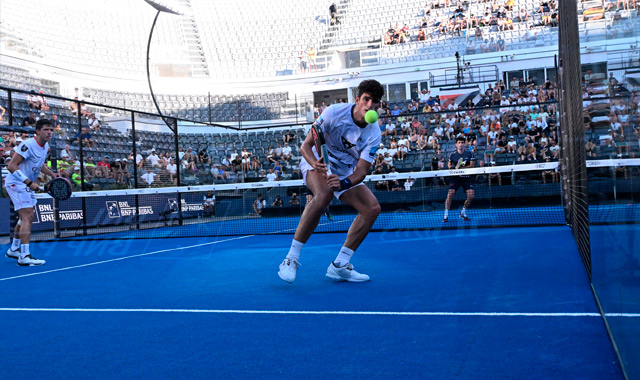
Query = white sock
x=446 y=213
x=343 y=257
x=463 y=212
x=24 y=250
x=294 y=251
x=16 y=244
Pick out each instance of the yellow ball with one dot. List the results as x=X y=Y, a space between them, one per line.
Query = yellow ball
x=371 y=116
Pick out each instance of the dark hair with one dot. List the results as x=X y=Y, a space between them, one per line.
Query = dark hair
x=42 y=122
x=371 y=87
x=461 y=138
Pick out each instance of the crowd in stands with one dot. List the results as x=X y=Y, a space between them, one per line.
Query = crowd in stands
x=502 y=126
x=443 y=17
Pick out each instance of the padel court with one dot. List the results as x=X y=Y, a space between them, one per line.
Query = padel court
x=502 y=303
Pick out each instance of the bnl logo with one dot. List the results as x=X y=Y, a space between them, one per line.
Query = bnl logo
x=112 y=209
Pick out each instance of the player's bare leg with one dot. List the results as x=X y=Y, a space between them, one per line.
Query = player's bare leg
x=26 y=221
x=368 y=208
x=310 y=218
x=447 y=204
x=322 y=194
x=467 y=203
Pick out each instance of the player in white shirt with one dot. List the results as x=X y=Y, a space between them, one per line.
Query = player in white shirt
x=25 y=167
x=352 y=144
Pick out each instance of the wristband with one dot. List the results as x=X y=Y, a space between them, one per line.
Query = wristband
x=345 y=184
x=19 y=175
x=29 y=183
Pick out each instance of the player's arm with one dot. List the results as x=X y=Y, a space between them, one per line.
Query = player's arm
x=471 y=162
x=18 y=174
x=450 y=163
x=358 y=175
x=45 y=169
x=308 y=155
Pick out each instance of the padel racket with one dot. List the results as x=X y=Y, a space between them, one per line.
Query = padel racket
x=460 y=163
x=59 y=188
x=321 y=148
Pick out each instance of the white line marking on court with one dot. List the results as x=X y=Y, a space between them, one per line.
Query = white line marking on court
x=124 y=258
x=307 y=312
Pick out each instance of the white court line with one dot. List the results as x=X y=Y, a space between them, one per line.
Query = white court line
x=123 y=258
x=143 y=254
x=306 y=312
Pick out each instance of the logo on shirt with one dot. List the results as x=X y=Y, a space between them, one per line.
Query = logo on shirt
x=24 y=147
x=346 y=143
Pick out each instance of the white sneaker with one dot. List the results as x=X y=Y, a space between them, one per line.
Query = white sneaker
x=288 y=270
x=13 y=254
x=345 y=273
x=29 y=261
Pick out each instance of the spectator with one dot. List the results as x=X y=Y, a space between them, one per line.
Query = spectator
x=209 y=203
x=389 y=129
x=172 y=170
x=149 y=177
x=124 y=170
x=277 y=202
x=258 y=205
x=523 y=15
x=272 y=176
x=277 y=152
x=104 y=166
x=29 y=121
x=226 y=163
x=153 y=159
x=286 y=152
x=66 y=153
x=255 y=163
x=333 y=12
x=294 y=201
x=32 y=100
x=44 y=106
x=139 y=161
x=116 y=171
x=311 y=52
x=204 y=159
x=86 y=139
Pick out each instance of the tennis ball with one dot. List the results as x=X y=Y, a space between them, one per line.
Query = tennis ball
x=371 y=116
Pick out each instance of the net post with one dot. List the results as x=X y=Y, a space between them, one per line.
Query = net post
x=55 y=202
x=135 y=166
x=174 y=122
x=573 y=153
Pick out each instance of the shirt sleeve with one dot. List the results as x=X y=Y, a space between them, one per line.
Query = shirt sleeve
x=24 y=150
x=369 y=152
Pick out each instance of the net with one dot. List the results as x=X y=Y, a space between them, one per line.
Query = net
x=573 y=153
x=517 y=195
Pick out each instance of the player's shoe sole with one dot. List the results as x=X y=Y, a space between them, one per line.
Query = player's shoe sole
x=464 y=217
x=445 y=220
x=12 y=254
x=345 y=273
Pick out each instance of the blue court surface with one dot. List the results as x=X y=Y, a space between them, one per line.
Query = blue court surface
x=470 y=303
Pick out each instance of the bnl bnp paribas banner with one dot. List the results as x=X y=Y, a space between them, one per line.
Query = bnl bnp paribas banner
x=115 y=210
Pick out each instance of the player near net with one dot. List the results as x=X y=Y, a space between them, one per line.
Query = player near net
x=25 y=167
x=460 y=158
x=351 y=144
